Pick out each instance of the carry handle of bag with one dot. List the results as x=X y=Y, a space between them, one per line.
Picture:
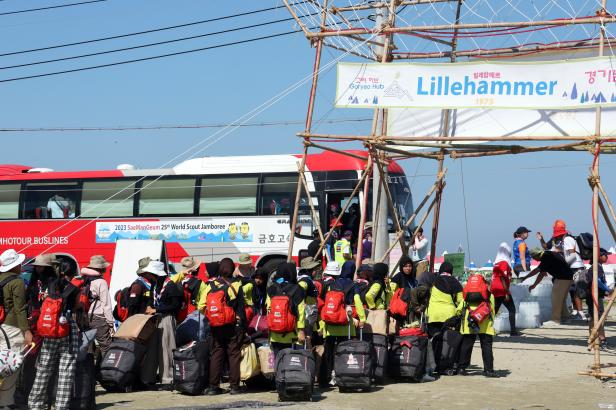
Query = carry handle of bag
x=294 y=345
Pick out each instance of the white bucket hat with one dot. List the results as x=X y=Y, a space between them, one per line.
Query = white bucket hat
x=9 y=259
x=332 y=269
x=155 y=268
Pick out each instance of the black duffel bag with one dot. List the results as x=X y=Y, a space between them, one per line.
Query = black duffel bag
x=121 y=364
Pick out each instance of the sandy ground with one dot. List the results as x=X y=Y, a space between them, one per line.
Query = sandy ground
x=538 y=370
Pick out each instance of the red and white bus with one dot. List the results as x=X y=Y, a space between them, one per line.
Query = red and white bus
x=210 y=208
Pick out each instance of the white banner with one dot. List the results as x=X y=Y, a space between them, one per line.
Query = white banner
x=238 y=231
x=473 y=122
x=581 y=83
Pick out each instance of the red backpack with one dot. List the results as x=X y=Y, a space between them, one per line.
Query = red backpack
x=52 y=323
x=476 y=289
x=321 y=287
x=85 y=296
x=218 y=310
x=2 y=284
x=334 y=308
x=190 y=289
x=120 y=312
x=400 y=301
x=280 y=318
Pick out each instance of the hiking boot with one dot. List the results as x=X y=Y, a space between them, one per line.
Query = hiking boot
x=490 y=373
x=235 y=390
x=214 y=391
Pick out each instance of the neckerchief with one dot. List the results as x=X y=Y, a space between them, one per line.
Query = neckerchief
x=146 y=283
x=158 y=294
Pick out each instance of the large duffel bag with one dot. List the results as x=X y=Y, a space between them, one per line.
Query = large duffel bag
x=121 y=363
x=137 y=328
x=191 y=364
x=295 y=371
x=452 y=339
x=407 y=357
x=379 y=357
x=353 y=364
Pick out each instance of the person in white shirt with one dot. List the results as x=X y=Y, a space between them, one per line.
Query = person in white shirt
x=571 y=251
x=419 y=252
x=566 y=244
x=100 y=311
x=60 y=207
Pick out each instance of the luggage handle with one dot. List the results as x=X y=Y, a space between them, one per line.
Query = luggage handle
x=361 y=330
x=350 y=320
x=199 y=328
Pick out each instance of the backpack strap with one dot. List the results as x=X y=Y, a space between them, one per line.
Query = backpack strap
x=193 y=287
x=6 y=338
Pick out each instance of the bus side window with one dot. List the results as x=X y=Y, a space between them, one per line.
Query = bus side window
x=9 y=201
x=278 y=194
x=50 y=200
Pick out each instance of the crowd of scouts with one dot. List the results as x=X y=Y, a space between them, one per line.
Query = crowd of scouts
x=233 y=299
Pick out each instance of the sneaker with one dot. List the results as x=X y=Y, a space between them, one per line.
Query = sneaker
x=550 y=324
x=214 y=391
x=427 y=378
x=462 y=372
x=515 y=333
x=490 y=373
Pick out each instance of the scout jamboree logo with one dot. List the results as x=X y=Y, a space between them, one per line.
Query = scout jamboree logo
x=352 y=362
x=393 y=90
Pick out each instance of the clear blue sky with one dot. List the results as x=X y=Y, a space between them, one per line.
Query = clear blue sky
x=223 y=84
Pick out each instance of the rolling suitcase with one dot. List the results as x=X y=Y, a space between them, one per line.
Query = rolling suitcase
x=295 y=371
x=452 y=339
x=191 y=362
x=191 y=365
x=407 y=357
x=353 y=364
x=121 y=364
x=379 y=357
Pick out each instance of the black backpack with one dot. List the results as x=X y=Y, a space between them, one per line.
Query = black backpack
x=584 y=242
